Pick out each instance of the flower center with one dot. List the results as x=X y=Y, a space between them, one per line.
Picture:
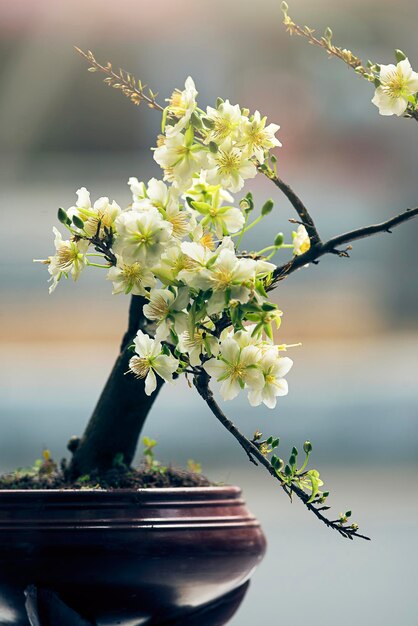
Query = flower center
x=139 y=366
x=228 y=161
x=395 y=85
x=67 y=255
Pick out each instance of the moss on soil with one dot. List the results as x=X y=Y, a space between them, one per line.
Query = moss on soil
x=118 y=478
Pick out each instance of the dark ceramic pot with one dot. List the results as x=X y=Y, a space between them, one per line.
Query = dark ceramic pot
x=154 y=556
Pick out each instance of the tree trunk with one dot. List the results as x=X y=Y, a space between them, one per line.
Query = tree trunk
x=120 y=413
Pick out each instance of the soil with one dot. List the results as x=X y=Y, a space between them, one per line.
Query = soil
x=118 y=478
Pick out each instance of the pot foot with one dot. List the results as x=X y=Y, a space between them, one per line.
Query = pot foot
x=45 y=608
x=216 y=613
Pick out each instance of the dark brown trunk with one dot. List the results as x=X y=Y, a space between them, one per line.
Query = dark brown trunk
x=120 y=413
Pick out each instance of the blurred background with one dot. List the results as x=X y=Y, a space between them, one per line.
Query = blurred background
x=354 y=385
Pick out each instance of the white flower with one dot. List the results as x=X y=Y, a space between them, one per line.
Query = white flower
x=231 y=167
x=198 y=341
x=256 y=137
x=397 y=83
x=180 y=158
x=141 y=236
x=181 y=105
x=223 y=219
x=201 y=190
x=150 y=360
x=130 y=278
x=226 y=120
x=235 y=368
x=166 y=309
x=156 y=194
x=70 y=258
x=197 y=257
x=274 y=368
x=103 y=211
x=301 y=241
x=230 y=278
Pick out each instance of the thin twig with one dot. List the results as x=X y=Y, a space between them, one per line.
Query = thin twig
x=124 y=81
x=201 y=382
x=332 y=245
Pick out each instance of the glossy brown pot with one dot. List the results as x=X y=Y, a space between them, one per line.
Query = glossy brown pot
x=152 y=556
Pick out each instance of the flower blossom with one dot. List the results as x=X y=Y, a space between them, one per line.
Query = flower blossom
x=397 y=84
x=235 y=368
x=70 y=258
x=166 y=309
x=141 y=236
x=256 y=137
x=301 y=241
x=131 y=278
x=231 y=167
x=103 y=212
x=273 y=368
x=181 y=106
x=150 y=360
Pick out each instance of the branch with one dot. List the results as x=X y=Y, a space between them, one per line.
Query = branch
x=332 y=245
x=297 y=204
x=201 y=382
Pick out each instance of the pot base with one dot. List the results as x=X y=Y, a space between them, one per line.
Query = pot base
x=125 y=558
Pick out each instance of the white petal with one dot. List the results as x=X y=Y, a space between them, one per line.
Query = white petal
x=150 y=383
x=230 y=389
x=215 y=368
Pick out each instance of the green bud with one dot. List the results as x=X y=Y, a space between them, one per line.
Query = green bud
x=208 y=122
x=273 y=158
x=400 y=56
x=213 y=147
x=279 y=240
x=307 y=447
x=287 y=471
x=325 y=494
x=245 y=205
x=294 y=451
x=267 y=207
x=77 y=221
x=292 y=460
x=269 y=440
x=275 y=443
x=348 y=514
x=63 y=217
x=219 y=101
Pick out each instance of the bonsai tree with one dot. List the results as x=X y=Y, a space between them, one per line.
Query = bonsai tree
x=200 y=305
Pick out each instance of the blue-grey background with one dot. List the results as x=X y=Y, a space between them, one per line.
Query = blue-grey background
x=353 y=388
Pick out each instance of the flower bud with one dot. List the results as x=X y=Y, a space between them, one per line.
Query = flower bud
x=267 y=207
x=219 y=101
x=213 y=147
x=400 y=56
x=279 y=240
x=307 y=447
x=63 y=217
